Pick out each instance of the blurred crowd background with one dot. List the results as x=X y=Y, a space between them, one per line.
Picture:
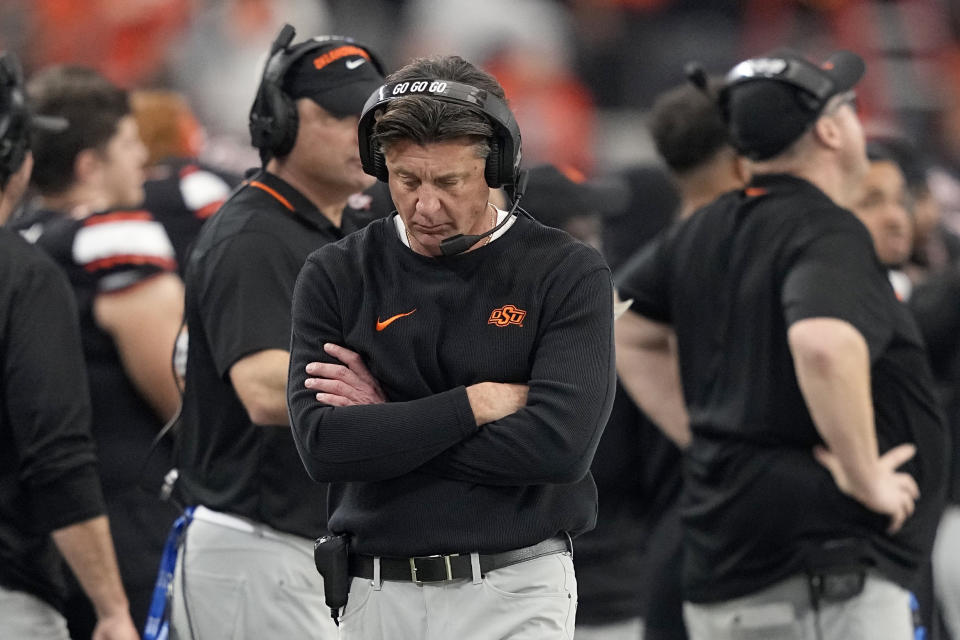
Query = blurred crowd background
x=580 y=74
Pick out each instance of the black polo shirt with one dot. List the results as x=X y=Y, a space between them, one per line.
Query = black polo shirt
x=731 y=280
x=239 y=287
x=48 y=468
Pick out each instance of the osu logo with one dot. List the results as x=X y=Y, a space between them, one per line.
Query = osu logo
x=507 y=314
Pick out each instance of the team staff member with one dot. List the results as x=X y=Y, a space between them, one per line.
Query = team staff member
x=884 y=211
x=130 y=299
x=247 y=561
x=490 y=378
x=805 y=380
x=50 y=497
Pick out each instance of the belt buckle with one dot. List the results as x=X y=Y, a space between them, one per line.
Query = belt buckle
x=446 y=564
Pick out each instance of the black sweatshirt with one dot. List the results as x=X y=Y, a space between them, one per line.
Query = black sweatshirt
x=48 y=472
x=416 y=475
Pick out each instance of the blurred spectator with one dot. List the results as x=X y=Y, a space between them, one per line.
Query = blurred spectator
x=628 y=50
x=478 y=31
x=884 y=209
x=180 y=191
x=122 y=269
x=217 y=61
x=526 y=46
x=935 y=247
x=126 y=40
x=554 y=108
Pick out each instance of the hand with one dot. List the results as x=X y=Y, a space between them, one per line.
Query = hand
x=115 y=627
x=491 y=401
x=889 y=492
x=343 y=385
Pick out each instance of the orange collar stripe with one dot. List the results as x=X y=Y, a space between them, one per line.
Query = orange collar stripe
x=273 y=192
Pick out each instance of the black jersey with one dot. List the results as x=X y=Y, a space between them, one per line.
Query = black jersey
x=48 y=473
x=103 y=254
x=181 y=195
x=416 y=475
x=239 y=288
x=731 y=280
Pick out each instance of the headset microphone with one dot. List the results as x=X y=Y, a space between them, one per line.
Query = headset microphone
x=459 y=243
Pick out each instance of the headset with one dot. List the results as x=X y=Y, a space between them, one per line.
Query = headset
x=15 y=121
x=816 y=87
x=273 y=116
x=503 y=162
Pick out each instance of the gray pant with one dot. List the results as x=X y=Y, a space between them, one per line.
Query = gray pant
x=783 y=612
x=254 y=584
x=26 y=616
x=946 y=569
x=531 y=600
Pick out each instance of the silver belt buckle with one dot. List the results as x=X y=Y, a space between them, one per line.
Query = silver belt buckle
x=446 y=564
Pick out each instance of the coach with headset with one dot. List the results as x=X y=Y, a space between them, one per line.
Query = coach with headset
x=245 y=567
x=451 y=371
x=815 y=475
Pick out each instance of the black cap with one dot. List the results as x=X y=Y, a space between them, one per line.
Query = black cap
x=339 y=77
x=770 y=101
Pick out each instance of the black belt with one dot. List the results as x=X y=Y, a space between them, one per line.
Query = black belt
x=450 y=567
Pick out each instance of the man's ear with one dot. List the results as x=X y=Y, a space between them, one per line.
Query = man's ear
x=86 y=165
x=826 y=130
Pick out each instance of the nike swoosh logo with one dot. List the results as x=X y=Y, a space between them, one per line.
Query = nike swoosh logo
x=386 y=323
x=353 y=64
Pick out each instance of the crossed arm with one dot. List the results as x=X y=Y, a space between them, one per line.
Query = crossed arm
x=544 y=431
x=351 y=383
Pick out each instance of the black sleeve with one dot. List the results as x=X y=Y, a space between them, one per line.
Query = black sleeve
x=246 y=292
x=644 y=279
x=46 y=391
x=572 y=382
x=359 y=443
x=836 y=275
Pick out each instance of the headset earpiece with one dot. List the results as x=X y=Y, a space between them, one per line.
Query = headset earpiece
x=503 y=162
x=273 y=116
x=14 y=126
x=380 y=167
x=492 y=170
x=284 y=133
